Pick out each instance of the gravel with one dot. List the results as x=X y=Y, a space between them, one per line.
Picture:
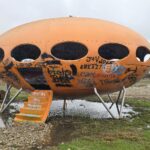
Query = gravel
x=25 y=136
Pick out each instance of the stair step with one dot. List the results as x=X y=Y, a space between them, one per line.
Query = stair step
x=35 y=105
x=26 y=120
x=29 y=117
x=39 y=93
x=28 y=110
x=37 y=99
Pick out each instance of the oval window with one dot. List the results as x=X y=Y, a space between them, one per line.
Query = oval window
x=69 y=51
x=25 y=52
x=113 y=51
x=1 y=54
x=142 y=54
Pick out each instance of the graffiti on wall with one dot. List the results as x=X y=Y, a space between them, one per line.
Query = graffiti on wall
x=86 y=82
x=113 y=68
x=62 y=77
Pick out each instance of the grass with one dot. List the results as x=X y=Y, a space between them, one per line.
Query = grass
x=138 y=103
x=22 y=96
x=103 y=145
x=108 y=134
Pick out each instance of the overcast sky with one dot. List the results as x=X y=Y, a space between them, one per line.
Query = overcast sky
x=132 y=13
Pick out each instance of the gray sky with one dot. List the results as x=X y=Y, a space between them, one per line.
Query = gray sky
x=132 y=13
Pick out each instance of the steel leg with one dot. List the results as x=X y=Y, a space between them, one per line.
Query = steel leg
x=11 y=100
x=120 y=98
x=117 y=101
x=5 y=97
x=111 y=101
x=100 y=98
x=122 y=102
x=64 y=107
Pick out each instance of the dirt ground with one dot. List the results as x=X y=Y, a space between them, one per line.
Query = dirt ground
x=140 y=90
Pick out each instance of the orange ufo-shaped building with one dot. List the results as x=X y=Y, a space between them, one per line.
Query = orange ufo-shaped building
x=72 y=56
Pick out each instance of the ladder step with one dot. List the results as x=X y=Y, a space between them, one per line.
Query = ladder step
x=37 y=107
x=28 y=110
x=26 y=120
x=28 y=117
x=37 y=99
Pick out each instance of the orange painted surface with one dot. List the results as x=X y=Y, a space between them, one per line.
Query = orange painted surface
x=37 y=108
x=91 y=71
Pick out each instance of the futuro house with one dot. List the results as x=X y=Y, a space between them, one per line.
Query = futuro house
x=72 y=56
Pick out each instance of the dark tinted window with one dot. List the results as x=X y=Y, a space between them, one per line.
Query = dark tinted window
x=143 y=54
x=35 y=77
x=25 y=51
x=69 y=51
x=1 y=54
x=113 y=51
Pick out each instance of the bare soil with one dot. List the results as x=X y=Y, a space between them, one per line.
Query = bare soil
x=140 y=90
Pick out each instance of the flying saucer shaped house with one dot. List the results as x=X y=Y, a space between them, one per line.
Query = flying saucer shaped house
x=69 y=57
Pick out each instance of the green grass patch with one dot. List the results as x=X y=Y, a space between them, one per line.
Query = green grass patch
x=138 y=102
x=108 y=134
x=22 y=96
x=82 y=144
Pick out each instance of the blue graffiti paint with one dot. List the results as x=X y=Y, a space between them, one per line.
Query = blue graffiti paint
x=113 y=68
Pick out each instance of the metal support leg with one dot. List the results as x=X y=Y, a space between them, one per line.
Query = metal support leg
x=7 y=87
x=64 y=107
x=10 y=101
x=5 y=97
x=100 y=98
x=117 y=101
x=122 y=102
x=120 y=98
x=110 y=98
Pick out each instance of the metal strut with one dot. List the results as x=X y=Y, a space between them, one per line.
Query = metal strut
x=64 y=107
x=4 y=106
x=120 y=98
x=6 y=95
